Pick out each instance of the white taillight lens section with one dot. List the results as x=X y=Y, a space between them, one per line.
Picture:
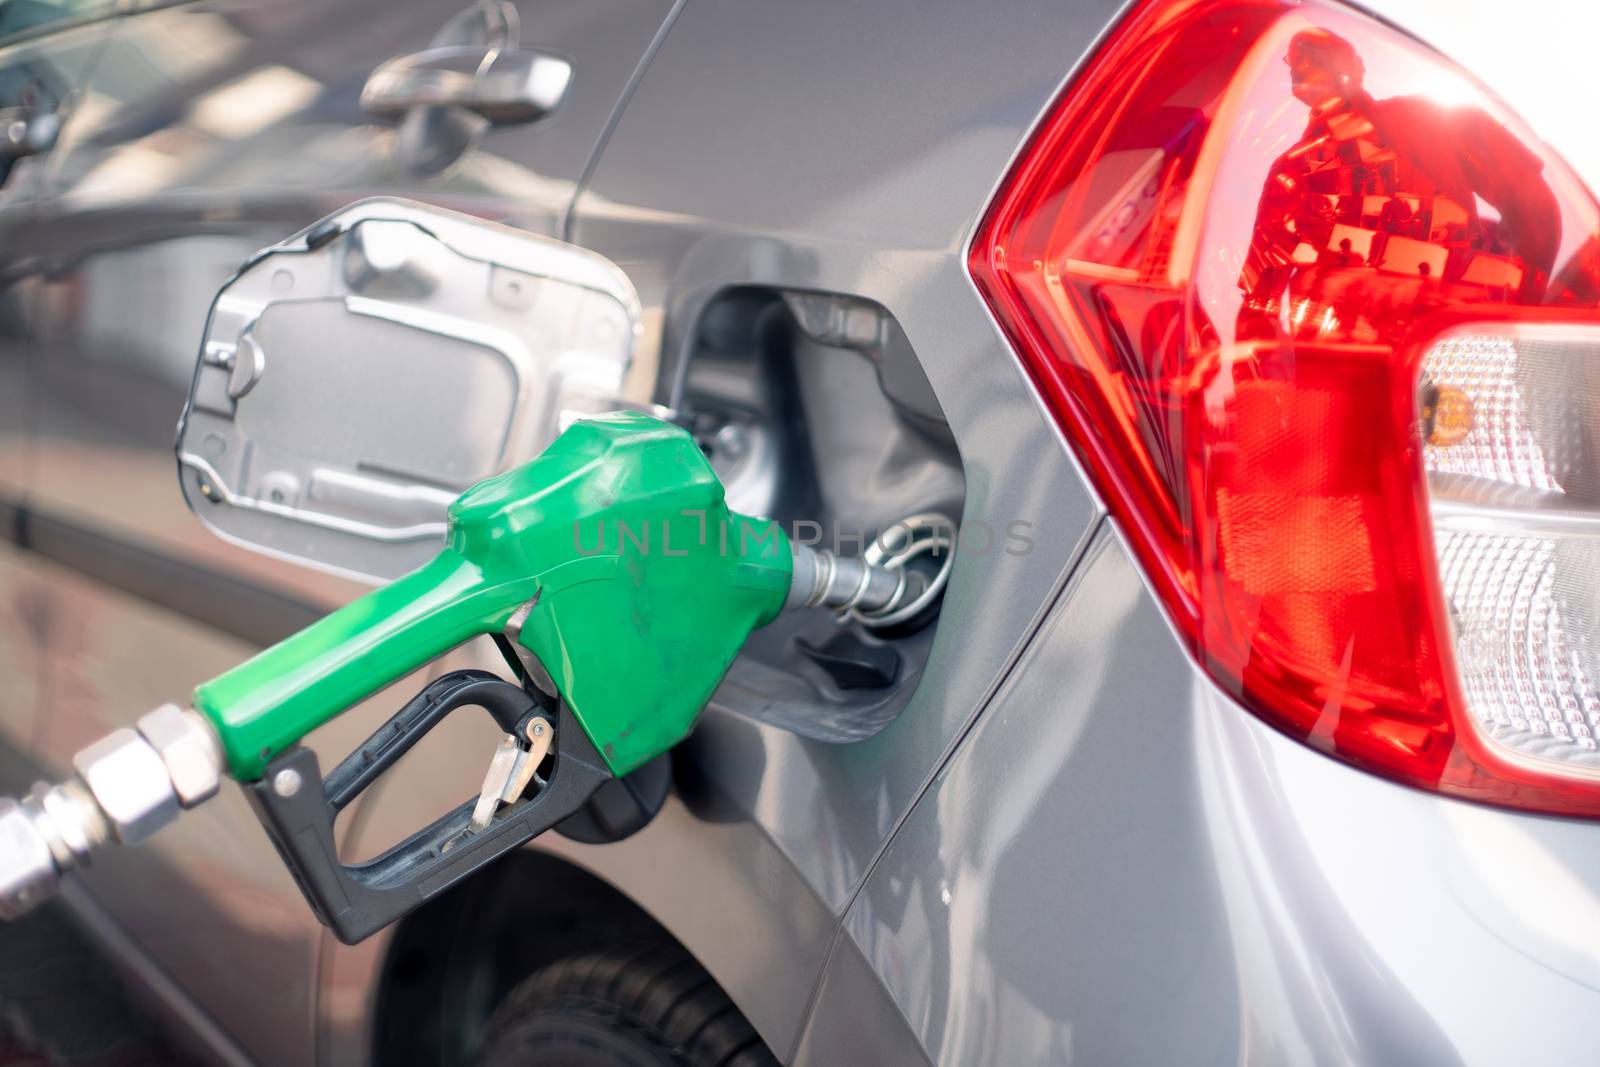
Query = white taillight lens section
x=1318 y=314
x=1511 y=428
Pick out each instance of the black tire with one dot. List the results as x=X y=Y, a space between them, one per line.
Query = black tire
x=631 y=1008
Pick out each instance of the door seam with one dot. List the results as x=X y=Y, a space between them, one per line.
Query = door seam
x=1061 y=589
x=570 y=214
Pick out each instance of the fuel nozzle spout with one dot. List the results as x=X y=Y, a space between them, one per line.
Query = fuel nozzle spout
x=885 y=586
x=128 y=785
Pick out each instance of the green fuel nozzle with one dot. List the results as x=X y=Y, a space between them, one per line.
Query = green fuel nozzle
x=613 y=572
x=612 y=555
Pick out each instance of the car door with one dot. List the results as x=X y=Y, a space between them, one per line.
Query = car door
x=206 y=131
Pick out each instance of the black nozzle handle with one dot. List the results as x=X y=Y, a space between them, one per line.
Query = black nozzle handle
x=297 y=809
x=507 y=704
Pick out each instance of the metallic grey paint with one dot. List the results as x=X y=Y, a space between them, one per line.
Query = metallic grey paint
x=1122 y=866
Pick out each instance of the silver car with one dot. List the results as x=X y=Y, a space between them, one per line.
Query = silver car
x=1255 y=343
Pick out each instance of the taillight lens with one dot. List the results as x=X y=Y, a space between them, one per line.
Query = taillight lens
x=1320 y=316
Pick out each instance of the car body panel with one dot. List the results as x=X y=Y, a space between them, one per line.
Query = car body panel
x=839 y=196
x=837 y=221
x=1119 y=841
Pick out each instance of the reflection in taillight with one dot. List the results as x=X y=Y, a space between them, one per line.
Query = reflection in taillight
x=1320 y=316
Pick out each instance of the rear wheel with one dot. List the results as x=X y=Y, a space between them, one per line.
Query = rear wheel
x=641 y=1008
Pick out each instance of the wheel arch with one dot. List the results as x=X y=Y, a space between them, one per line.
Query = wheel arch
x=449 y=963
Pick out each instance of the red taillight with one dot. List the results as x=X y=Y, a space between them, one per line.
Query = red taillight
x=1237 y=257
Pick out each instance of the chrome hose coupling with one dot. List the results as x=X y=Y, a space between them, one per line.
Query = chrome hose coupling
x=128 y=785
x=878 y=588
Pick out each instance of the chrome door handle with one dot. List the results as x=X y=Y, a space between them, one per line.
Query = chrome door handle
x=27 y=131
x=501 y=85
